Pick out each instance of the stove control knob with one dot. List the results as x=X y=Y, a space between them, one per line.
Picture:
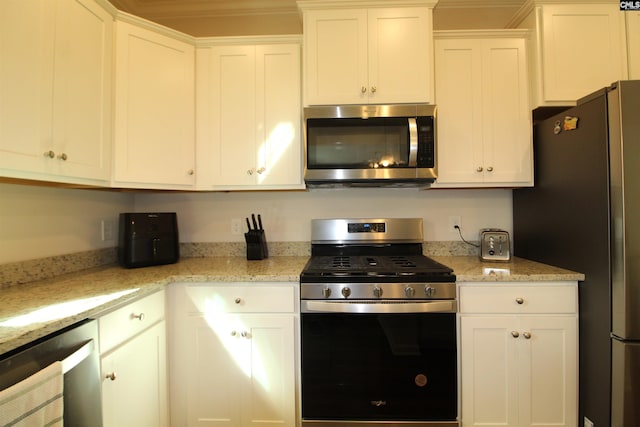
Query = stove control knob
x=409 y=292
x=346 y=292
x=377 y=292
x=429 y=291
x=326 y=292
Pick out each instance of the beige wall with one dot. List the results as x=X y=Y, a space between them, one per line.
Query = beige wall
x=37 y=222
x=206 y=217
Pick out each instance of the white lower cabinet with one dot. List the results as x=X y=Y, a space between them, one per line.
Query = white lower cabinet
x=134 y=365
x=232 y=355
x=519 y=354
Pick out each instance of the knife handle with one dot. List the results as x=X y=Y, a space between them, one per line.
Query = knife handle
x=259 y=222
x=248 y=224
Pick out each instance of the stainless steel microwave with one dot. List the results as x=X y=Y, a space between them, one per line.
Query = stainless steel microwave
x=370 y=145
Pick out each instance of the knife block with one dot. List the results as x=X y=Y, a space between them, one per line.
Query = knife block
x=256 y=245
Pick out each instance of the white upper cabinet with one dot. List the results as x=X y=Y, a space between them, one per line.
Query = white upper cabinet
x=154 y=109
x=483 y=125
x=575 y=49
x=633 y=43
x=368 y=53
x=249 y=116
x=55 y=90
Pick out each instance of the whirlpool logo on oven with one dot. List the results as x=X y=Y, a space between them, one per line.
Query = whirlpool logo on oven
x=630 y=5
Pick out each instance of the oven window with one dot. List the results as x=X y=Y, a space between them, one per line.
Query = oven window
x=379 y=367
x=357 y=143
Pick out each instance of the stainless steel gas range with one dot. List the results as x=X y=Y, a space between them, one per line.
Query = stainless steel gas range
x=378 y=328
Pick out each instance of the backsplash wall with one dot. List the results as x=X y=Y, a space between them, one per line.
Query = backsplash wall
x=38 y=222
x=206 y=217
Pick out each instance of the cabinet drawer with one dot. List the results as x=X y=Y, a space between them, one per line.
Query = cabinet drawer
x=123 y=323
x=518 y=299
x=240 y=298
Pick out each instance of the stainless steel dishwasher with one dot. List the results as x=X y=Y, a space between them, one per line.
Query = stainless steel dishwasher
x=77 y=348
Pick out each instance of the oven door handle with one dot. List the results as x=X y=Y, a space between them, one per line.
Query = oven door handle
x=376 y=307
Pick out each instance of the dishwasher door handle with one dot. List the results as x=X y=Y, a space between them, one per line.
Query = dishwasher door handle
x=75 y=358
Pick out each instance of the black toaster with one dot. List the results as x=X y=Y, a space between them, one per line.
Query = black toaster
x=148 y=239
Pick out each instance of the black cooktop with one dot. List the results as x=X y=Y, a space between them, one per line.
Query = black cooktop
x=368 y=268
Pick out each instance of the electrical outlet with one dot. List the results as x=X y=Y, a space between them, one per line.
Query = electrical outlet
x=106 y=230
x=236 y=226
x=453 y=222
x=588 y=422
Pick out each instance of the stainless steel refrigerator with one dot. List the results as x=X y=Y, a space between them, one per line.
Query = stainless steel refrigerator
x=584 y=214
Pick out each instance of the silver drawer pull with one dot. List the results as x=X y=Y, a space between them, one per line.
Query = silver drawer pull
x=515 y=334
x=238 y=300
x=520 y=300
x=140 y=316
x=111 y=376
x=527 y=335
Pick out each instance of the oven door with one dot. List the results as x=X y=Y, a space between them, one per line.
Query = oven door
x=379 y=367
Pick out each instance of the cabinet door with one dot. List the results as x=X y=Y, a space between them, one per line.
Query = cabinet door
x=137 y=394
x=400 y=47
x=154 y=110
x=484 y=129
x=233 y=110
x=484 y=136
x=335 y=43
x=55 y=90
x=26 y=84
x=506 y=123
x=582 y=49
x=633 y=43
x=268 y=396
x=213 y=364
x=240 y=370
x=459 y=100
x=82 y=90
x=279 y=158
x=489 y=371
x=548 y=371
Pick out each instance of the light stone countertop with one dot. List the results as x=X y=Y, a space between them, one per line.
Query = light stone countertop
x=33 y=310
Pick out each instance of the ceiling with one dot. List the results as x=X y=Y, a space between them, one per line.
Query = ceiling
x=251 y=17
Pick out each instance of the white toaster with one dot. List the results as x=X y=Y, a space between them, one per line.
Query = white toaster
x=494 y=245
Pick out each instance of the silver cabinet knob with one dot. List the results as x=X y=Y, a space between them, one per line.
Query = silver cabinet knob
x=527 y=335
x=244 y=334
x=346 y=292
x=238 y=300
x=191 y=172
x=520 y=300
x=373 y=89
x=326 y=292
x=479 y=169
x=515 y=334
x=234 y=333
x=111 y=376
x=140 y=316
x=262 y=170
x=363 y=89
x=250 y=171
x=409 y=292
x=50 y=154
x=63 y=156
x=377 y=292
x=490 y=169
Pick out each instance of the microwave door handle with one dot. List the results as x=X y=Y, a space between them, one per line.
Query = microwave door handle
x=413 y=142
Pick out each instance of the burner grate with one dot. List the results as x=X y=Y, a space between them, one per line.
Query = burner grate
x=404 y=262
x=341 y=262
